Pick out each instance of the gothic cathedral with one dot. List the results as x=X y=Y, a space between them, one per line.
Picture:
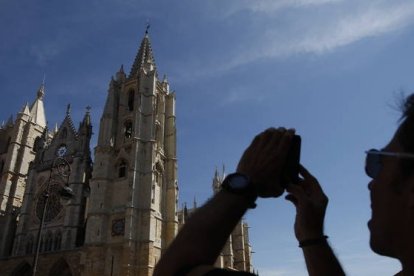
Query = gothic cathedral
x=113 y=216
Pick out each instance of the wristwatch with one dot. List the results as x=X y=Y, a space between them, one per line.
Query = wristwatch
x=240 y=184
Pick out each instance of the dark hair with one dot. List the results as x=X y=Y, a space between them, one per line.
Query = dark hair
x=406 y=134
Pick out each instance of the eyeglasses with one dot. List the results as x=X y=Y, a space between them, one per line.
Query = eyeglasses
x=373 y=163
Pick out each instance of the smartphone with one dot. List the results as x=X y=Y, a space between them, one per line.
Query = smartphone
x=291 y=171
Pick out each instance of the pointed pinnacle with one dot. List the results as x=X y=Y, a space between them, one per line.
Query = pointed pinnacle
x=25 y=109
x=10 y=121
x=41 y=91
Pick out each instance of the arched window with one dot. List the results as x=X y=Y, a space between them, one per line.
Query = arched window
x=64 y=133
x=49 y=242
x=153 y=193
x=157 y=197
x=156 y=103
x=128 y=129
x=41 y=245
x=159 y=135
x=61 y=268
x=29 y=245
x=131 y=95
x=158 y=173
x=8 y=144
x=36 y=144
x=57 y=241
x=122 y=169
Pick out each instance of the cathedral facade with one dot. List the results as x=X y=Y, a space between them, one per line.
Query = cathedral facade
x=122 y=212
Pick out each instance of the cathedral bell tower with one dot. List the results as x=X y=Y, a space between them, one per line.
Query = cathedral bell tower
x=17 y=150
x=133 y=203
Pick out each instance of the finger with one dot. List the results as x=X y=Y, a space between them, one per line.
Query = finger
x=292 y=199
x=297 y=191
x=309 y=180
x=273 y=142
x=304 y=172
x=261 y=152
x=267 y=136
x=250 y=151
x=255 y=143
x=279 y=156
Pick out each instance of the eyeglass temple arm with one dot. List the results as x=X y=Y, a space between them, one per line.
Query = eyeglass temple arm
x=395 y=154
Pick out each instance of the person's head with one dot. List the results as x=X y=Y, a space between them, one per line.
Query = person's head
x=392 y=191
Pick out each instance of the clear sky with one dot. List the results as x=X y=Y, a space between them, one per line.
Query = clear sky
x=332 y=69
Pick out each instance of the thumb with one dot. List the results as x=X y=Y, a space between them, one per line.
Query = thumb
x=292 y=199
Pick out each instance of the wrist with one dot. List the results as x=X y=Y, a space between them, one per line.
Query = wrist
x=309 y=234
x=244 y=201
x=322 y=240
x=239 y=185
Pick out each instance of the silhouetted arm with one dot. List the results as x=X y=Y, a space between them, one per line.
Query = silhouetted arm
x=321 y=260
x=204 y=235
x=311 y=202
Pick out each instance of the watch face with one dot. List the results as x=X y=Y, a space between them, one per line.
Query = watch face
x=61 y=151
x=238 y=182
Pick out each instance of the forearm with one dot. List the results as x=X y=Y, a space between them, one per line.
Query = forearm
x=203 y=236
x=321 y=260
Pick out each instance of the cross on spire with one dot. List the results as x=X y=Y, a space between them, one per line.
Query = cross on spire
x=147 y=27
x=68 y=109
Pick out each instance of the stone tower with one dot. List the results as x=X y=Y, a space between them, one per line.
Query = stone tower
x=17 y=140
x=132 y=209
x=64 y=223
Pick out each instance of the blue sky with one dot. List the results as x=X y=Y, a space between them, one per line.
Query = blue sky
x=332 y=69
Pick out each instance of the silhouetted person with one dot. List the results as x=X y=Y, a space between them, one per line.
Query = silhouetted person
x=259 y=172
x=392 y=203
x=200 y=241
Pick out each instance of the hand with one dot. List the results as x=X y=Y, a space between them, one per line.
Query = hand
x=310 y=202
x=264 y=160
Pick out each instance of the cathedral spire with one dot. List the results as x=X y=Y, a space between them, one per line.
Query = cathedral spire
x=37 y=110
x=10 y=121
x=144 y=56
x=194 y=203
x=68 y=110
x=41 y=91
x=87 y=117
x=85 y=127
x=120 y=75
x=67 y=124
x=25 y=109
x=216 y=181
